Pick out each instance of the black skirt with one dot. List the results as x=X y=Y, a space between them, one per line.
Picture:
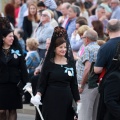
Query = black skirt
x=57 y=103
x=10 y=97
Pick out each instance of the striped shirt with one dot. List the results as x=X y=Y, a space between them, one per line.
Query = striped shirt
x=51 y=4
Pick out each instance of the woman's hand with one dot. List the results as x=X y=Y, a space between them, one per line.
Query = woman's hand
x=35 y=100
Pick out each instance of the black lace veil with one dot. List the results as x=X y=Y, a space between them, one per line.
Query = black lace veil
x=58 y=32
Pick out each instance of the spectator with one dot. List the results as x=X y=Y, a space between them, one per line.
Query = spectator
x=50 y=4
x=98 y=27
x=40 y=7
x=64 y=10
x=76 y=41
x=32 y=58
x=43 y=31
x=108 y=103
x=30 y=22
x=99 y=15
x=115 y=9
x=9 y=11
x=53 y=22
x=89 y=97
x=19 y=33
x=73 y=13
x=81 y=30
x=17 y=4
x=105 y=4
x=28 y=2
x=83 y=11
x=23 y=9
x=58 y=9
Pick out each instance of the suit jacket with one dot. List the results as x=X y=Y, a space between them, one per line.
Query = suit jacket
x=13 y=70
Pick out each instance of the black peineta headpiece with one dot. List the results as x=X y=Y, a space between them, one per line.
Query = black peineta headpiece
x=5 y=27
x=59 y=32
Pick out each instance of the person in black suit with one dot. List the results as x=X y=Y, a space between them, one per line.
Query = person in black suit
x=12 y=71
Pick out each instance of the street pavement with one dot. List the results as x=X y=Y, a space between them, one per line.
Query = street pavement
x=25 y=117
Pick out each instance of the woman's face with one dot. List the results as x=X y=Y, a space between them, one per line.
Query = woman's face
x=61 y=50
x=8 y=40
x=33 y=10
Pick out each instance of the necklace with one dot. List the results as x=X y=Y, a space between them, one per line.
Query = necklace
x=6 y=51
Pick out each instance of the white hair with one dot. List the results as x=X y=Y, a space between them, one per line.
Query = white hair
x=48 y=13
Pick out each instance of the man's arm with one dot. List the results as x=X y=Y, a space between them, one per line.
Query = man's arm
x=46 y=34
x=98 y=70
x=85 y=75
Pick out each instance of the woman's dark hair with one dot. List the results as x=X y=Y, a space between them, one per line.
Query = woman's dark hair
x=9 y=10
x=98 y=27
x=81 y=21
x=40 y=4
x=5 y=29
x=15 y=44
x=59 y=2
x=59 y=41
x=81 y=5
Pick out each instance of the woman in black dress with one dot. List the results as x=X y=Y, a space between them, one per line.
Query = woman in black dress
x=12 y=71
x=57 y=84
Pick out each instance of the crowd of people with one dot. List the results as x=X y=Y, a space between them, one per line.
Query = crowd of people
x=68 y=51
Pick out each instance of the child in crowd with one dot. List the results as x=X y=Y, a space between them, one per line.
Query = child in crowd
x=32 y=58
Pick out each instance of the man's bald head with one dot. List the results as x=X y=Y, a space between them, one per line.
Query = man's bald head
x=115 y=1
x=113 y=25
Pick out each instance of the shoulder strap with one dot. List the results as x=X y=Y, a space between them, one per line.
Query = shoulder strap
x=117 y=54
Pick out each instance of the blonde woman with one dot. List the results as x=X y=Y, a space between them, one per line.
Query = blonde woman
x=30 y=22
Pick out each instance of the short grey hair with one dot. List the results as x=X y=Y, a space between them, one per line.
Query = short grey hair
x=91 y=34
x=76 y=9
x=47 y=11
x=116 y=1
x=67 y=4
x=99 y=8
x=113 y=25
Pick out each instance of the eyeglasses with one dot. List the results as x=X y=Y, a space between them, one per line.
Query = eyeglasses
x=44 y=15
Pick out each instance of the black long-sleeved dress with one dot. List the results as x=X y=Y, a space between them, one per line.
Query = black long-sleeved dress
x=58 y=86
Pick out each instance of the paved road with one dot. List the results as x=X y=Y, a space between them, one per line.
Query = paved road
x=25 y=117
